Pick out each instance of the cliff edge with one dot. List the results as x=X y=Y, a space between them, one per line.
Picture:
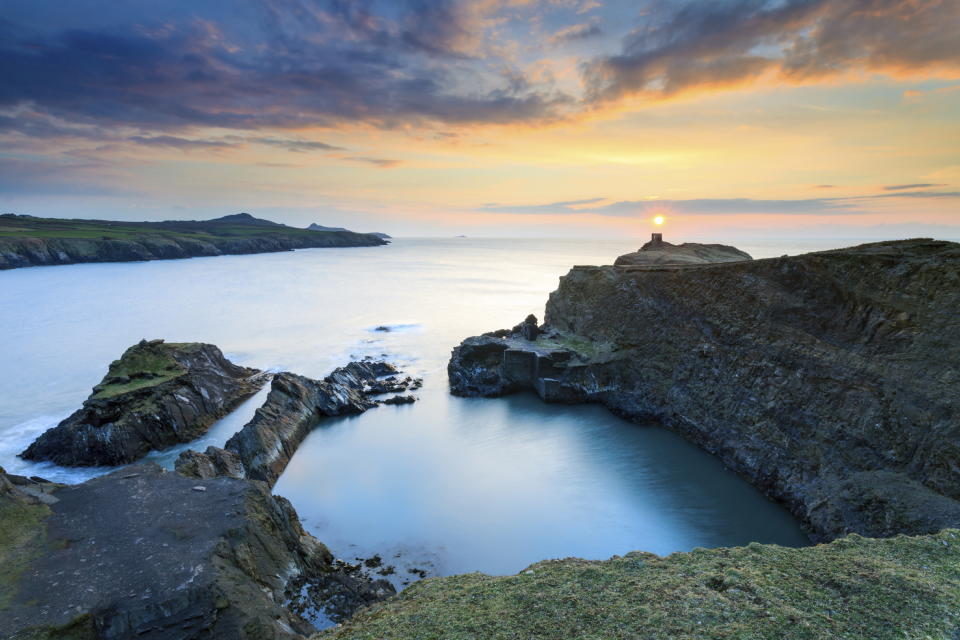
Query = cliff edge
x=828 y=380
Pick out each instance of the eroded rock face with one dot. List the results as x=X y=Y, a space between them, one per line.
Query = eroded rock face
x=658 y=251
x=143 y=553
x=295 y=405
x=829 y=380
x=156 y=395
x=212 y=463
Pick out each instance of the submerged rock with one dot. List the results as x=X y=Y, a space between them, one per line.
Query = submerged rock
x=829 y=380
x=156 y=395
x=658 y=251
x=141 y=554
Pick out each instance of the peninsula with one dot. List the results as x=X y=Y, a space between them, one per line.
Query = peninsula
x=27 y=241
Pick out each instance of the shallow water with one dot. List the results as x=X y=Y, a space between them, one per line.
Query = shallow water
x=449 y=484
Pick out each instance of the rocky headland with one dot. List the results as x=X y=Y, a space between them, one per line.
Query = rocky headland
x=145 y=553
x=659 y=251
x=156 y=395
x=27 y=241
x=828 y=380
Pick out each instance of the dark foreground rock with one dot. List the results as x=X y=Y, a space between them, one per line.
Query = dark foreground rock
x=147 y=554
x=660 y=252
x=156 y=395
x=852 y=589
x=829 y=380
x=292 y=409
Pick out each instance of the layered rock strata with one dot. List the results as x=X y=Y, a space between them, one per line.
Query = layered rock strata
x=297 y=403
x=829 y=380
x=156 y=395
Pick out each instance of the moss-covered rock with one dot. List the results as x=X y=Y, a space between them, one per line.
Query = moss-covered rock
x=156 y=395
x=903 y=588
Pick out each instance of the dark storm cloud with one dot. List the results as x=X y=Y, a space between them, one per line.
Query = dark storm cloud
x=709 y=43
x=309 y=63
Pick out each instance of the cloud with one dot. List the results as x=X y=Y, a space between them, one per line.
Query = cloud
x=295 y=63
x=576 y=32
x=174 y=142
x=380 y=163
x=692 y=44
x=919 y=185
x=296 y=145
x=852 y=205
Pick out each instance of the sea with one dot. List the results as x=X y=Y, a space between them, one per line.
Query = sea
x=443 y=486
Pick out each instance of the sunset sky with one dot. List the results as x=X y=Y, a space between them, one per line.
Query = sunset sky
x=494 y=118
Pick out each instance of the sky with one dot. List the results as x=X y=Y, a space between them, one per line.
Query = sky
x=569 y=118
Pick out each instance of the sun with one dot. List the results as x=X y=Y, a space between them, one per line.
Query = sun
x=658 y=220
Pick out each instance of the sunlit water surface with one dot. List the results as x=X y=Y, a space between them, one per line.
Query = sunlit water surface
x=446 y=485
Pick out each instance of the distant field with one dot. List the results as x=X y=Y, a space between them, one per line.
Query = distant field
x=20 y=227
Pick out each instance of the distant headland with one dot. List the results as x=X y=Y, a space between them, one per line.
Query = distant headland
x=27 y=241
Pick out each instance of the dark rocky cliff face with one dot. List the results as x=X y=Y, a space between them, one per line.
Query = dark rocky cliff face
x=155 y=396
x=143 y=553
x=829 y=380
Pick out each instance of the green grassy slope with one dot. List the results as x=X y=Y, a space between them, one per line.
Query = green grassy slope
x=853 y=588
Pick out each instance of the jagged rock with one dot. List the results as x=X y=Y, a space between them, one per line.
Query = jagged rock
x=140 y=554
x=660 y=252
x=528 y=329
x=829 y=380
x=404 y=399
x=293 y=408
x=156 y=395
x=212 y=463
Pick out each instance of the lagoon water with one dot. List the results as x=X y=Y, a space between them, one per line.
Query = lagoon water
x=446 y=485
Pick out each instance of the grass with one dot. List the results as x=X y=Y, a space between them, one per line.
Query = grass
x=141 y=366
x=22 y=536
x=52 y=228
x=904 y=588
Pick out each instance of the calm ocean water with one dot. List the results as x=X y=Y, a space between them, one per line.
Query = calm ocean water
x=446 y=485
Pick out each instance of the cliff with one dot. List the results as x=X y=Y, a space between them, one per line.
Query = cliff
x=143 y=553
x=156 y=395
x=658 y=251
x=27 y=241
x=851 y=589
x=828 y=380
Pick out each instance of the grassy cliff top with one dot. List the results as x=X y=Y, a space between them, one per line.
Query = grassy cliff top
x=239 y=225
x=903 y=588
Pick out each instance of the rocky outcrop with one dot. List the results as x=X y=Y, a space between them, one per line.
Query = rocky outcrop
x=26 y=241
x=147 y=554
x=212 y=463
x=658 y=251
x=297 y=403
x=829 y=380
x=156 y=395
